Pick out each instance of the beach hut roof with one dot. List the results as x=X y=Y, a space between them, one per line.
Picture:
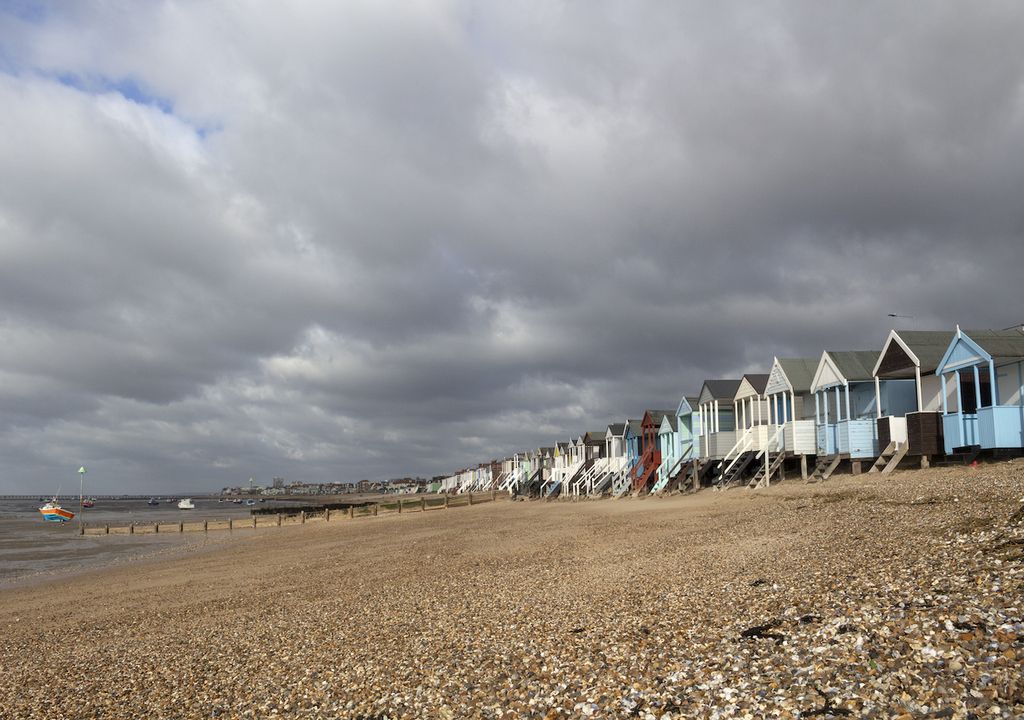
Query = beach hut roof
x=635 y=426
x=979 y=346
x=617 y=429
x=750 y=386
x=657 y=415
x=669 y=423
x=842 y=366
x=758 y=381
x=854 y=364
x=687 y=404
x=906 y=349
x=999 y=343
x=719 y=390
x=794 y=374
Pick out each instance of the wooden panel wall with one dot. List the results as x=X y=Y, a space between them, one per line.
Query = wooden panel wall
x=883 y=433
x=924 y=434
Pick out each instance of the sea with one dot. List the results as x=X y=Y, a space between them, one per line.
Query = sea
x=33 y=549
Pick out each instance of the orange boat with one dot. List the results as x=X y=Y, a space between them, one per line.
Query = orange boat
x=52 y=512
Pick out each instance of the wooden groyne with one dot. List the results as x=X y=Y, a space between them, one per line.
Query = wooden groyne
x=267 y=517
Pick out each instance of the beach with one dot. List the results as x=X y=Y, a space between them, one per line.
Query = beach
x=866 y=596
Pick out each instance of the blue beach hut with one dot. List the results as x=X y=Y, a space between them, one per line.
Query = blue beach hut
x=985 y=372
x=633 y=439
x=678 y=437
x=844 y=404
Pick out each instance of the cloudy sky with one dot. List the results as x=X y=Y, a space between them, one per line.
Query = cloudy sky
x=340 y=240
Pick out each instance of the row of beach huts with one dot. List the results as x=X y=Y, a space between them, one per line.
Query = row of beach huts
x=926 y=396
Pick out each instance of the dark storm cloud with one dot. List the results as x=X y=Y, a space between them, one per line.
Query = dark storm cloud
x=356 y=241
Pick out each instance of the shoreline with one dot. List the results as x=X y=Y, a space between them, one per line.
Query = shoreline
x=138 y=536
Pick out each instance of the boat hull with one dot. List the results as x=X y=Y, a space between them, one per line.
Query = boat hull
x=56 y=514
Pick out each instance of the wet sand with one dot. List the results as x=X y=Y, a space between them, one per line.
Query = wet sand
x=32 y=549
x=860 y=597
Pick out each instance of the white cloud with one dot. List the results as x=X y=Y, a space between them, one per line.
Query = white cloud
x=333 y=240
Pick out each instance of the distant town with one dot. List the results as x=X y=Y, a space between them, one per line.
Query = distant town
x=397 y=486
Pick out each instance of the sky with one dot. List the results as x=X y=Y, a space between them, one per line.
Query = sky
x=330 y=241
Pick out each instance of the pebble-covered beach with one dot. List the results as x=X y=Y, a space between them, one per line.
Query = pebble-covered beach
x=897 y=597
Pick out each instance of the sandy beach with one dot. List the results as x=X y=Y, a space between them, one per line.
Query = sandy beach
x=860 y=597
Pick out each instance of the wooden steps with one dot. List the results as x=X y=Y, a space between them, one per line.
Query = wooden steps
x=761 y=477
x=824 y=468
x=533 y=485
x=621 y=484
x=602 y=484
x=961 y=456
x=889 y=458
x=883 y=457
x=736 y=470
x=647 y=468
x=705 y=469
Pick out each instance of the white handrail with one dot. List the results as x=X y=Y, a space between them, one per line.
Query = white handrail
x=583 y=473
x=580 y=481
x=665 y=462
x=598 y=469
x=743 y=440
x=676 y=462
x=771 y=441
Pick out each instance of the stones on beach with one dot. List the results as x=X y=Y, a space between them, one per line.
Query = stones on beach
x=874 y=604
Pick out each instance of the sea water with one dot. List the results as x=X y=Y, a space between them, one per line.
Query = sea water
x=32 y=548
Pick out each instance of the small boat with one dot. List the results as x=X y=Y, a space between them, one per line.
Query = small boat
x=153 y=501
x=53 y=512
x=186 y=504
x=237 y=501
x=89 y=502
x=250 y=501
